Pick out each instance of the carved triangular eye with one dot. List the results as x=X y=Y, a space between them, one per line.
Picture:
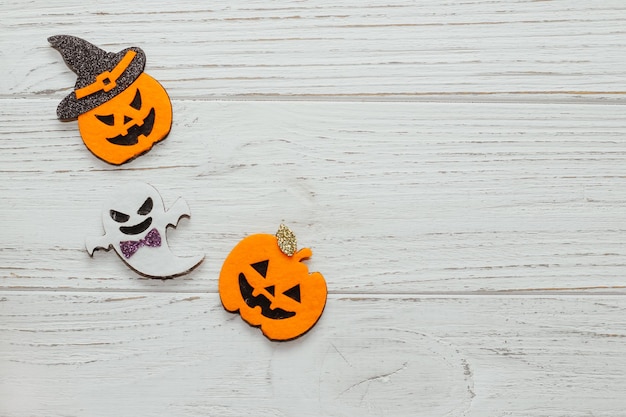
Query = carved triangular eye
x=146 y=207
x=118 y=216
x=107 y=119
x=136 y=103
x=293 y=293
x=261 y=267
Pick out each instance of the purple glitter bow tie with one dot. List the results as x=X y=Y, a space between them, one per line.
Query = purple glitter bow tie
x=129 y=247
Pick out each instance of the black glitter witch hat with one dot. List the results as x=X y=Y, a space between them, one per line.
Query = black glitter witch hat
x=101 y=75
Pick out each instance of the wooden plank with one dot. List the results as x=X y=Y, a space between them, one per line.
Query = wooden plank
x=391 y=197
x=70 y=354
x=471 y=237
x=403 y=49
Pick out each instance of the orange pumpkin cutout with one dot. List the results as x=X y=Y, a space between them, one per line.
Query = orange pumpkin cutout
x=130 y=123
x=271 y=289
x=122 y=111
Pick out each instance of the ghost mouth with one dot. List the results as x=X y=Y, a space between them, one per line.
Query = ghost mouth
x=261 y=301
x=132 y=137
x=138 y=228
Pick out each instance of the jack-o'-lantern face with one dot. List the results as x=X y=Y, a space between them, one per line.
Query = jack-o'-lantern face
x=270 y=289
x=130 y=123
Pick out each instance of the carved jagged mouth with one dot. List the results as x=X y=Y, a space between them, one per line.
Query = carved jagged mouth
x=138 y=228
x=261 y=301
x=132 y=137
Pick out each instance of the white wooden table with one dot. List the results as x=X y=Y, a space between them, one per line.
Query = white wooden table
x=458 y=168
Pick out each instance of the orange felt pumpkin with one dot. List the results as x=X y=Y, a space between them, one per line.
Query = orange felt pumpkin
x=122 y=111
x=129 y=124
x=271 y=289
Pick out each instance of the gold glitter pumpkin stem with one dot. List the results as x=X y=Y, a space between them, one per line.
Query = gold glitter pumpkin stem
x=287 y=241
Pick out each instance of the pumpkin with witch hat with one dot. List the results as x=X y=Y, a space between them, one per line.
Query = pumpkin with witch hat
x=122 y=111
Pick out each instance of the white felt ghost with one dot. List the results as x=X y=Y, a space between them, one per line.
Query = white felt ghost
x=135 y=223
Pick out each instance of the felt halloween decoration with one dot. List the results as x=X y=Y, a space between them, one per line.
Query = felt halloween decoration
x=270 y=287
x=135 y=223
x=122 y=111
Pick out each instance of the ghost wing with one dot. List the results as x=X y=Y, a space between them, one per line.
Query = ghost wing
x=93 y=243
x=179 y=209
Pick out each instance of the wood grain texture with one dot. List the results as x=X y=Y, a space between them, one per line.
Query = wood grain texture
x=391 y=197
x=182 y=354
x=456 y=167
x=404 y=49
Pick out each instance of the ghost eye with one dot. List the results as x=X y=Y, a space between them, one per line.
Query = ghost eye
x=146 y=207
x=136 y=103
x=108 y=119
x=119 y=217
